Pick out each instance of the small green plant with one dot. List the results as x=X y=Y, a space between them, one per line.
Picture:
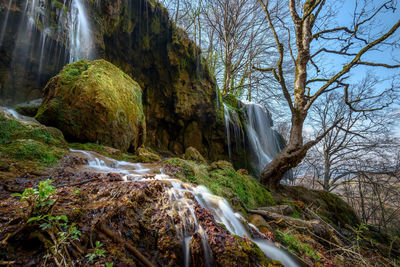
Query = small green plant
x=97 y=252
x=77 y=192
x=109 y=264
x=296 y=246
x=359 y=231
x=41 y=201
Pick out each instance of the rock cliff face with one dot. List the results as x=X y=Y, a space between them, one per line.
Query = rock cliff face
x=179 y=92
x=137 y=36
x=28 y=56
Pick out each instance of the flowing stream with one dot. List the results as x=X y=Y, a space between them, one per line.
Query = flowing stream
x=179 y=194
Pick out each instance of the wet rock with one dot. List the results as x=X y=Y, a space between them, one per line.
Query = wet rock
x=28 y=108
x=145 y=156
x=95 y=102
x=192 y=153
x=27 y=146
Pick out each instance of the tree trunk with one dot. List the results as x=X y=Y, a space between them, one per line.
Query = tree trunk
x=327 y=168
x=288 y=158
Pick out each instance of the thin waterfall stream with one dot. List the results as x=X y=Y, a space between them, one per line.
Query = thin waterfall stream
x=184 y=197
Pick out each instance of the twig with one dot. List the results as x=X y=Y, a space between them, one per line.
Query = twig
x=127 y=245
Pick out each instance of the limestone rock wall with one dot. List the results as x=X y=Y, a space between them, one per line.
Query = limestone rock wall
x=137 y=36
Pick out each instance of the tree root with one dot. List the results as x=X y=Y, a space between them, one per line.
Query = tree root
x=314 y=226
x=127 y=245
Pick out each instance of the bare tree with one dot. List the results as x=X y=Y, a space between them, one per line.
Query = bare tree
x=336 y=156
x=373 y=189
x=316 y=36
x=233 y=38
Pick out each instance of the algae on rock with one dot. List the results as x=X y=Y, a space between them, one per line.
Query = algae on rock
x=95 y=102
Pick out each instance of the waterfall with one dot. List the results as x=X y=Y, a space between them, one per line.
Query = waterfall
x=80 y=40
x=48 y=35
x=184 y=197
x=264 y=142
x=254 y=132
x=5 y=21
x=232 y=121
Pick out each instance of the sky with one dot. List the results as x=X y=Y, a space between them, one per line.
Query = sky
x=387 y=55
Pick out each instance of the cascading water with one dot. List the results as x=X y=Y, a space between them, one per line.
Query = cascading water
x=5 y=22
x=255 y=133
x=183 y=198
x=48 y=35
x=264 y=142
x=232 y=120
x=80 y=40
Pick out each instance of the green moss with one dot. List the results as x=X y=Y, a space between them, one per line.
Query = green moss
x=27 y=110
x=221 y=179
x=337 y=210
x=232 y=101
x=95 y=102
x=20 y=141
x=295 y=246
x=8 y=128
x=28 y=149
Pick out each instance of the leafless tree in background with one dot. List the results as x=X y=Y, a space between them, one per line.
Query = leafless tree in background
x=233 y=38
x=317 y=37
x=336 y=156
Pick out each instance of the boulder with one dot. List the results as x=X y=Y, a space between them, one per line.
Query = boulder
x=28 y=108
x=145 y=156
x=27 y=146
x=95 y=102
x=192 y=153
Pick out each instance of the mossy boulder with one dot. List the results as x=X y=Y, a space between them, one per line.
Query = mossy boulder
x=28 y=146
x=29 y=108
x=192 y=153
x=94 y=101
x=145 y=156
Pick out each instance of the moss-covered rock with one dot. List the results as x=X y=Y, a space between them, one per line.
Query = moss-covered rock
x=95 y=102
x=192 y=153
x=28 y=146
x=145 y=156
x=331 y=207
x=29 y=108
x=242 y=191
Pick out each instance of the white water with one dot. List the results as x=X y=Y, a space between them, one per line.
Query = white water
x=15 y=115
x=80 y=40
x=70 y=30
x=261 y=139
x=183 y=198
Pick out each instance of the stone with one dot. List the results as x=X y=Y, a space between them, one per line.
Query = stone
x=145 y=156
x=192 y=153
x=94 y=101
x=28 y=108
